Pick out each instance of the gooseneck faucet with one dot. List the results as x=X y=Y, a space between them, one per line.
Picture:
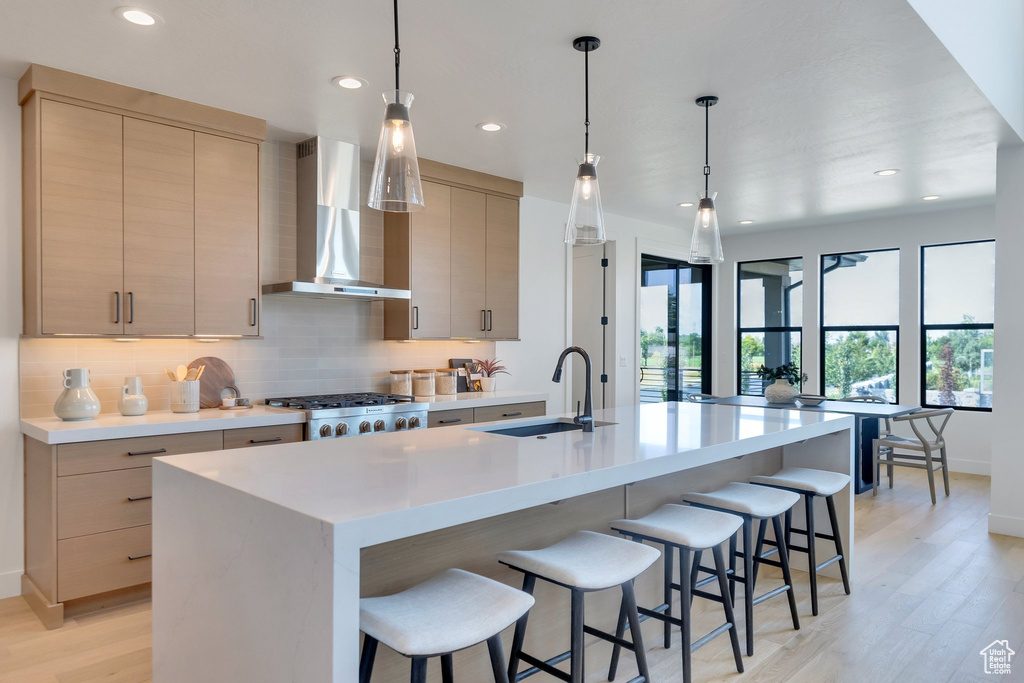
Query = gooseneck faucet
x=587 y=418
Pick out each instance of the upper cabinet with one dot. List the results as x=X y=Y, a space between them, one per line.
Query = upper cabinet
x=141 y=212
x=459 y=256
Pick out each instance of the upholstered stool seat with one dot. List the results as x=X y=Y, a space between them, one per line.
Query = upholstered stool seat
x=746 y=499
x=818 y=482
x=585 y=561
x=692 y=527
x=450 y=612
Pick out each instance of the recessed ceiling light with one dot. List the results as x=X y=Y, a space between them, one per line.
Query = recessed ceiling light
x=491 y=126
x=348 y=82
x=888 y=171
x=137 y=16
x=931 y=197
x=686 y=205
x=746 y=222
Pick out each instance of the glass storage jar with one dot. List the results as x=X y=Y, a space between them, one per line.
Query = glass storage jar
x=423 y=382
x=401 y=382
x=446 y=381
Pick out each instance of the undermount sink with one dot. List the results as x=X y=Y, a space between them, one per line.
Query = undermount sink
x=554 y=427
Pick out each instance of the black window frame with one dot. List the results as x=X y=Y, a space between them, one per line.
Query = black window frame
x=740 y=330
x=825 y=329
x=961 y=326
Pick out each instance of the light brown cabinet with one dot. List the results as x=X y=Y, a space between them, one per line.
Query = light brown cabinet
x=464 y=416
x=141 y=212
x=459 y=256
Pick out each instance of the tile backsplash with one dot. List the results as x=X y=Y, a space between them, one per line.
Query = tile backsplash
x=308 y=346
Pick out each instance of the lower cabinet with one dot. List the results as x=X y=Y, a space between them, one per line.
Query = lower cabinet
x=462 y=416
x=88 y=515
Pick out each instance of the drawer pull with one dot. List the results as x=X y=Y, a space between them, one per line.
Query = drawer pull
x=132 y=499
x=449 y=422
x=516 y=414
x=152 y=452
x=270 y=440
x=140 y=557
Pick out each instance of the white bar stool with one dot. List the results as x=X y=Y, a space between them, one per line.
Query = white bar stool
x=450 y=612
x=685 y=529
x=810 y=483
x=763 y=504
x=584 y=562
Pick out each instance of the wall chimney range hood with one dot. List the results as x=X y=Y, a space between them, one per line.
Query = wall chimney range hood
x=327 y=229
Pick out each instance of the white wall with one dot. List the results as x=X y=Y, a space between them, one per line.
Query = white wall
x=969 y=432
x=11 y=532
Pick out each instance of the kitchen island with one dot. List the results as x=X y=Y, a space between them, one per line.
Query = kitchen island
x=260 y=555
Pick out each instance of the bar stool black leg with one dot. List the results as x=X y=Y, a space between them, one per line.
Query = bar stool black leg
x=366 y=660
x=759 y=548
x=694 y=572
x=834 y=523
x=723 y=584
x=812 y=561
x=447 y=672
x=529 y=581
x=786 y=576
x=576 y=668
x=497 y=658
x=667 y=555
x=629 y=596
x=748 y=584
x=732 y=568
x=419 y=670
x=620 y=632
x=789 y=527
x=685 y=600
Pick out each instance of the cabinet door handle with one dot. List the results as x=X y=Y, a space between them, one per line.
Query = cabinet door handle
x=152 y=452
x=516 y=414
x=131 y=307
x=490 y=320
x=415 y=317
x=449 y=422
x=133 y=499
x=252 y=320
x=140 y=557
x=483 y=320
x=270 y=440
x=117 y=307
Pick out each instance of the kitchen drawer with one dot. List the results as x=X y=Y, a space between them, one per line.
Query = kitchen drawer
x=509 y=412
x=100 y=562
x=450 y=418
x=103 y=501
x=120 y=454
x=262 y=436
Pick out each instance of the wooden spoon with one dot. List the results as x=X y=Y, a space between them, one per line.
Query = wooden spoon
x=171 y=375
x=182 y=373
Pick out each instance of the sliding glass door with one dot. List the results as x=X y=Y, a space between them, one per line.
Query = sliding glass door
x=675 y=329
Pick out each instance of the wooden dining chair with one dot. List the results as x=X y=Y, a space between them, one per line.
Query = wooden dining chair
x=872 y=399
x=928 y=426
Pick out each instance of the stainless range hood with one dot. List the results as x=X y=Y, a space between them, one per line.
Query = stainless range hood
x=327 y=231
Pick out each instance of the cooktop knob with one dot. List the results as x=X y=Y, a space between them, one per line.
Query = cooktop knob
x=414 y=422
x=364 y=427
x=400 y=423
x=379 y=426
x=326 y=431
x=342 y=429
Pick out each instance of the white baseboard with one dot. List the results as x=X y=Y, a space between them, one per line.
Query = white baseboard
x=970 y=466
x=1007 y=526
x=10 y=584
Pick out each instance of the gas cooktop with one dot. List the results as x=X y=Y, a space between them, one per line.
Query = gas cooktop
x=339 y=401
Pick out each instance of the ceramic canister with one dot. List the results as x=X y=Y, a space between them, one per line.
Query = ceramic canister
x=132 y=402
x=78 y=401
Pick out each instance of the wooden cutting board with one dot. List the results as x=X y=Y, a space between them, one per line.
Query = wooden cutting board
x=217 y=377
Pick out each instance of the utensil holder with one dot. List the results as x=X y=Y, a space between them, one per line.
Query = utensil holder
x=185 y=396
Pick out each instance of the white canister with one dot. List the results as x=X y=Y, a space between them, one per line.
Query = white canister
x=77 y=402
x=132 y=402
x=185 y=396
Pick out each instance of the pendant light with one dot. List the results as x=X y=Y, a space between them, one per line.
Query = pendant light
x=395 y=185
x=706 y=244
x=586 y=220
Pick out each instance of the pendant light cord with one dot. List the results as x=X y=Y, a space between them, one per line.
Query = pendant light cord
x=398 y=50
x=707 y=165
x=586 y=106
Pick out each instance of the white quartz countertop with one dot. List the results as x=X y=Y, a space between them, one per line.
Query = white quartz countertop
x=53 y=430
x=398 y=483
x=479 y=399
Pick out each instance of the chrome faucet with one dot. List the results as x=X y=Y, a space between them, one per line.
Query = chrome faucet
x=587 y=418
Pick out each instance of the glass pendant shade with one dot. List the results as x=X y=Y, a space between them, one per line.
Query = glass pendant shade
x=586 y=219
x=395 y=185
x=706 y=243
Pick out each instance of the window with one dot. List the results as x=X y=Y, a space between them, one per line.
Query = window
x=675 y=329
x=860 y=313
x=770 y=304
x=957 y=315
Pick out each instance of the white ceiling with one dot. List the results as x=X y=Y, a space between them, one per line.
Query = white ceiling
x=815 y=94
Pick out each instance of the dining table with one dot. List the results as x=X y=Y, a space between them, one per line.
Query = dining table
x=867 y=416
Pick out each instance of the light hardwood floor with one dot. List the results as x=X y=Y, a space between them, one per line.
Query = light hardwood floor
x=932 y=588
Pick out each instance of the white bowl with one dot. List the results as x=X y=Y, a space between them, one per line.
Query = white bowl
x=809 y=400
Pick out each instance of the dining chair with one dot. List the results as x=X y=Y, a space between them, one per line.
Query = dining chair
x=884 y=449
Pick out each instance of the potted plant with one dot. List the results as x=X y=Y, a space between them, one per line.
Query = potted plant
x=783 y=387
x=490 y=368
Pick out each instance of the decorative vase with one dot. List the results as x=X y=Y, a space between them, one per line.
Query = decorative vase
x=486 y=384
x=781 y=391
x=77 y=402
x=132 y=402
